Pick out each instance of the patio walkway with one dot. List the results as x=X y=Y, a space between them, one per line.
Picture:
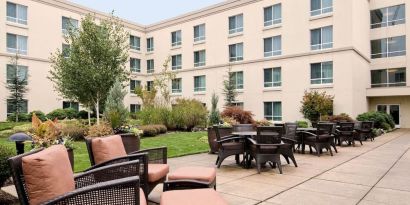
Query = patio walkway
x=376 y=173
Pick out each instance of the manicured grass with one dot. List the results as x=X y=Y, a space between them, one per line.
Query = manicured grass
x=10 y=125
x=179 y=144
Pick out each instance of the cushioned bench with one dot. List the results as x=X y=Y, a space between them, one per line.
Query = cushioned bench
x=193 y=196
x=201 y=174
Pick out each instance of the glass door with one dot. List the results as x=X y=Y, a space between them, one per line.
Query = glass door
x=393 y=110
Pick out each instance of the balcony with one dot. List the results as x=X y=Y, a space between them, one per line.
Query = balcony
x=388 y=91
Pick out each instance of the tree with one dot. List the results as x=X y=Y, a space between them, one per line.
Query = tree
x=97 y=57
x=162 y=82
x=214 y=116
x=17 y=86
x=229 y=89
x=115 y=111
x=315 y=104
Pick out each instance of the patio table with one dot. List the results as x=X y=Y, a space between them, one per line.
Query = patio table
x=302 y=132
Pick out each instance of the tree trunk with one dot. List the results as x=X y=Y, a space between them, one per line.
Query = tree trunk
x=17 y=116
x=89 y=117
x=97 y=110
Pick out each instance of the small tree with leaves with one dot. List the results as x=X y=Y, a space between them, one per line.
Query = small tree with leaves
x=98 y=54
x=316 y=104
x=214 y=116
x=229 y=89
x=115 y=111
x=162 y=82
x=17 y=87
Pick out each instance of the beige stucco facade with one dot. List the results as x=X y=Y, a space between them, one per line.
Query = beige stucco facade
x=350 y=53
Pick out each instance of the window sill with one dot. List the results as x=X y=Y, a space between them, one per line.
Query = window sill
x=235 y=35
x=200 y=93
x=271 y=89
x=272 y=27
x=199 y=42
x=135 y=73
x=176 y=47
x=176 y=94
x=16 y=25
x=135 y=51
x=319 y=86
x=239 y=90
x=321 y=16
x=149 y=53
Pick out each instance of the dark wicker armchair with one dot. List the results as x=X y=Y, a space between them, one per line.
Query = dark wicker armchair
x=265 y=147
x=228 y=146
x=365 y=131
x=111 y=184
x=345 y=133
x=323 y=138
x=290 y=136
x=146 y=157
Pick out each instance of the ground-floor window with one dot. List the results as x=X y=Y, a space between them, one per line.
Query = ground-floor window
x=72 y=105
x=135 y=108
x=11 y=107
x=273 y=111
x=238 y=104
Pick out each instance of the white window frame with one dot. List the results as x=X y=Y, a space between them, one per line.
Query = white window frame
x=322 y=10
x=150 y=66
x=19 y=67
x=388 y=84
x=388 y=54
x=321 y=74
x=236 y=29
x=137 y=84
x=273 y=116
x=176 y=67
x=236 y=58
x=200 y=89
x=71 y=20
x=320 y=46
x=176 y=43
x=388 y=22
x=235 y=79
x=268 y=54
x=17 y=50
x=138 y=39
x=135 y=107
x=150 y=42
x=273 y=21
x=200 y=63
x=135 y=69
x=272 y=84
x=179 y=90
x=16 y=19
x=200 y=38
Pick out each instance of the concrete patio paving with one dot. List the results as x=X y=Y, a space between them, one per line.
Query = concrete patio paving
x=376 y=173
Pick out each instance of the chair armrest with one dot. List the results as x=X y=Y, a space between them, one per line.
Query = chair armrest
x=258 y=145
x=155 y=155
x=288 y=140
x=120 y=191
x=142 y=157
x=309 y=133
x=184 y=184
x=107 y=173
x=229 y=138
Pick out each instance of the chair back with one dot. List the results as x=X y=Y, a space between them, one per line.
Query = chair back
x=243 y=128
x=367 y=126
x=346 y=126
x=269 y=135
x=217 y=133
x=88 y=143
x=325 y=128
x=18 y=176
x=290 y=130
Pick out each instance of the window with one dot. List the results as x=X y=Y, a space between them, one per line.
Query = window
x=236 y=52
x=16 y=13
x=199 y=33
x=272 y=77
x=150 y=44
x=321 y=38
x=134 y=84
x=389 y=16
x=150 y=85
x=68 y=23
x=177 y=85
x=72 y=105
x=237 y=104
x=135 y=43
x=273 y=15
x=388 y=77
x=11 y=107
x=150 y=66
x=176 y=39
x=21 y=72
x=135 y=65
x=66 y=50
x=199 y=83
x=199 y=58
x=135 y=108
x=318 y=7
x=237 y=79
x=272 y=46
x=389 y=47
x=176 y=62
x=16 y=44
x=236 y=24
x=273 y=111
x=321 y=73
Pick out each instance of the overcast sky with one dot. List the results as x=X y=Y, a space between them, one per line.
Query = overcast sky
x=146 y=11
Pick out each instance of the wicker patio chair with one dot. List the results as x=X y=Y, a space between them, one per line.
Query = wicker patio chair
x=290 y=136
x=149 y=159
x=265 y=147
x=345 y=133
x=228 y=146
x=118 y=183
x=365 y=130
x=323 y=138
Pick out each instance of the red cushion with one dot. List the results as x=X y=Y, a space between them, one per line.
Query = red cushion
x=48 y=174
x=192 y=197
x=203 y=174
x=107 y=148
x=157 y=171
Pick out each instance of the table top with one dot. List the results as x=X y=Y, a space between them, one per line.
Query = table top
x=253 y=133
x=307 y=129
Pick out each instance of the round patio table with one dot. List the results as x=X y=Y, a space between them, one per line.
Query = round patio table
x=245 y=135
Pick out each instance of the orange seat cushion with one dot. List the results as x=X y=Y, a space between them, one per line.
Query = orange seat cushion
x=203 y=174
x=48 y=174
x=143 y=200
x=107 y=148
x=157 y=171
x=192 y=197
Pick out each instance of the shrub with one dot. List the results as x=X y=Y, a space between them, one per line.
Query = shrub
x=39 y=114
x=338 y=118
x=75 y=130
x=71 y=113
x=214 y=116
x=302 y=124
x=22 y=128
x=115 y=111
x=262 y=123
x=21 y=118
x=380 y=119
x=315 y=104
x=103 y=129
x=149 y=130
x=240 y=115
x=189 y=113
x=83 y=114
x=62 y=114
x=161 y=129
x=5 y=153
x=156 y=115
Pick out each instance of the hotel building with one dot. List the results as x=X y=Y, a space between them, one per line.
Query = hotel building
x=277 y=49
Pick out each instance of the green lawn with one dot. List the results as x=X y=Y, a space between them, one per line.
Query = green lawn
x=179 y=144
x=10 y=125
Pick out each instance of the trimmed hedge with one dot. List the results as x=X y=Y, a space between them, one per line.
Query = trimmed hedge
x=62 y=114
x=153 y=130
x=381 y=120
x=5 y=153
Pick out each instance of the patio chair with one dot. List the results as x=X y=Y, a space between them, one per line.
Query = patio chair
x=322 y=138
x=266 y=147
x=228 y=146
x=345 y=133
x=290 y=136
x=365 y=130
x=44 y=176
x=109 y=150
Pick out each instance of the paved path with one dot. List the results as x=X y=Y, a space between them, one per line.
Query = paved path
x=376 y=173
